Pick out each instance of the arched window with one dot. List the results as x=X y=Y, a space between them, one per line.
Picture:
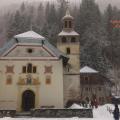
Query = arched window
x=64 y=40
x=70 y=24
x=68 y=50
x=73 y=39
x=24 y=69
x=65 y=24
x=34 y=69
x=29 y=68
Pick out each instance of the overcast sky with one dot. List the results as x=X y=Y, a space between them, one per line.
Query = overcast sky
x=4 y=3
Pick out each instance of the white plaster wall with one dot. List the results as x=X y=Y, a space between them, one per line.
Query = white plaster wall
x=49 y=95
x=71 y=87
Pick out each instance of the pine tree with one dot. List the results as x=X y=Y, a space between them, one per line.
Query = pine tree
x=14 y=25
x=92 y=53
x=89 y=13
x=40 y=18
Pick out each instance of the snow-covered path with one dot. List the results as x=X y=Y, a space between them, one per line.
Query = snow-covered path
x=99 y=114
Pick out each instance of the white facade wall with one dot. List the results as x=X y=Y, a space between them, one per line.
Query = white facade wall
x=45 y=95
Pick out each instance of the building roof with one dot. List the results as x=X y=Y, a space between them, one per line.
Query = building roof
x=67 y=15
x=87 y=69
x=29 y=35
x=68 y=33
x=32 y=37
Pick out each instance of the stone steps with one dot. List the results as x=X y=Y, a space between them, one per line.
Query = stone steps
x=23 y=114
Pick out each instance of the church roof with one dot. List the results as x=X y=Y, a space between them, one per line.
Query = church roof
x=31 y=37
x=29 y=34
x=87 y=69
x=68 y=33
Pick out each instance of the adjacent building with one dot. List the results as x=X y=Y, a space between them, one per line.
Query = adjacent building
x=94 y=86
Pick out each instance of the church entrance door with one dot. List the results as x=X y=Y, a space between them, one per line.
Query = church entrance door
x=28 y=100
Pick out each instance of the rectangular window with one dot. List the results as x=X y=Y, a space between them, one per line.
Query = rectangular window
x=68 y=50
x=70 y=24
x=65 y=24
x=24 y=69
x=29 y=68
x=34 y=69
x=86 y=79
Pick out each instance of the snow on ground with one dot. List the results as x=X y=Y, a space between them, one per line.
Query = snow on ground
x=102 y=113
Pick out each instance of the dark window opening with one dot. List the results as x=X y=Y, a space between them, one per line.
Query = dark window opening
x=24 y=69
x=64 y=40
x=70 y=24
x=73 y=39
x=68 y=50
x=34 y=69
x=29 y=50
x=65 y=24
x=29 y=68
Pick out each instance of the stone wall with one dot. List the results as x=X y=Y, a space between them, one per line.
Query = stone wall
x=62 y=113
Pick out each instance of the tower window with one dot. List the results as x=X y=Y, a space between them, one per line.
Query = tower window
x=70 y=24
x=64 y=40
x=68 y=50
x=65 y=24
x=73 y=39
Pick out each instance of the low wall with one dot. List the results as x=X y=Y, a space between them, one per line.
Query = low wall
x=62 y=113
x=7 y=113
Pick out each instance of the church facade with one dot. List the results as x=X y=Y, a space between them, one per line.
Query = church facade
x=35 y=74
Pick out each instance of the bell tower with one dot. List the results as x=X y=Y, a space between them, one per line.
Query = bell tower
x=68 y=42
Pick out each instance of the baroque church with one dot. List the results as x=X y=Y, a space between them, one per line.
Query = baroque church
x=35 y=74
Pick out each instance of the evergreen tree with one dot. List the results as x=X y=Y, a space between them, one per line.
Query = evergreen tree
x=14 y=25
x=89 y=13
x=40 y=18
x=92 y=53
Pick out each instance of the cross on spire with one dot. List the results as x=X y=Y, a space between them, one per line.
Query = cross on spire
x=67 y=7
x=67 y=4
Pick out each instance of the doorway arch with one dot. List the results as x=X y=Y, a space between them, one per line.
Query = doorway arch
x=28 y=100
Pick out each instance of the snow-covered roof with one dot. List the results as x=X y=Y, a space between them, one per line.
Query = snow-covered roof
x=29 y=34
x=31 y=37
x=87 y=69
x=70 y=33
